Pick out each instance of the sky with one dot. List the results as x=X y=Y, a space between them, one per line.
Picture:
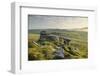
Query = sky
x=56 y=22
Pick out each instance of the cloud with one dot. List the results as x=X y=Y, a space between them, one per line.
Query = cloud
x=56 y=22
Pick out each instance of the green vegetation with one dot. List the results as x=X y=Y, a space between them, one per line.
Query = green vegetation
x=45 y=50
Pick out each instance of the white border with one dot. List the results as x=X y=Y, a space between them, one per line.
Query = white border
x=19 y=37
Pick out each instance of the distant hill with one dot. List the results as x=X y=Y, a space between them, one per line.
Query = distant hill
x=84 y=29
x=81 y=29
x=37 y=31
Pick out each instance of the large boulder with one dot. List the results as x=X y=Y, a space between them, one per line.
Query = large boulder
x=43 y=35
x=53 y=38
x=49 y=37
x=59 y=53
x=66 y=41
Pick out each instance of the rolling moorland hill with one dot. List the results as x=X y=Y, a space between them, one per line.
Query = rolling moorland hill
x=79 y=42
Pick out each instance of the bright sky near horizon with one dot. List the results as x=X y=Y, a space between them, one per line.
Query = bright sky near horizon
x=56 y=22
